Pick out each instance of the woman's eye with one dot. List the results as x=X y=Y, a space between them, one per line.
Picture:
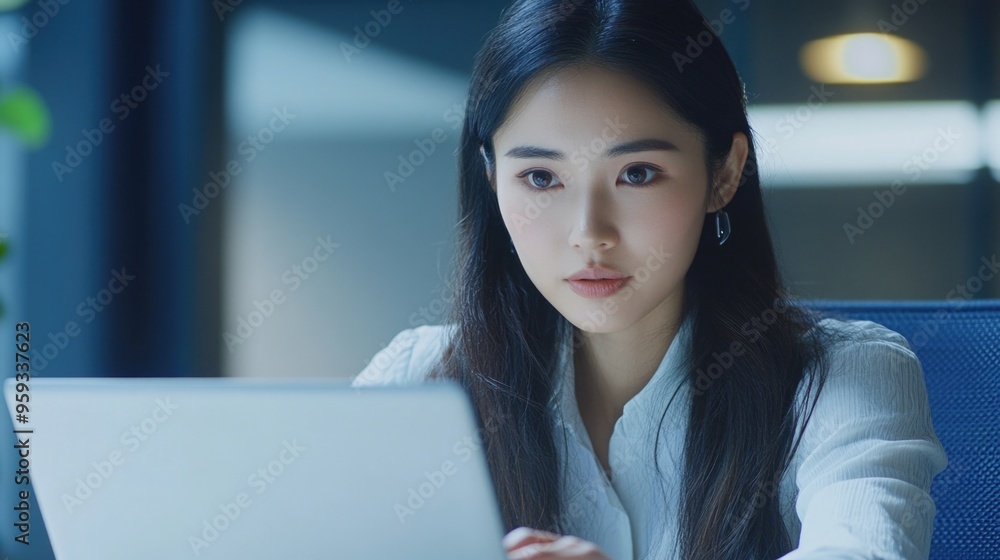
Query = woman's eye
x=639 y=174
x=538 y=179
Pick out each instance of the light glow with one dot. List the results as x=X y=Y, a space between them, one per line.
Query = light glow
x=863 y=58
x=869 y=143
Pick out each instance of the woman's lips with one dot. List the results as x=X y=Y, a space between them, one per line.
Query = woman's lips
x=598 y=288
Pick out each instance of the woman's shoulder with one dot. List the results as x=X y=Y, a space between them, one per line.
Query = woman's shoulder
x=407 y=358
x=847 y=334
x=869 y=449
x=867 y=358
x=873 y=378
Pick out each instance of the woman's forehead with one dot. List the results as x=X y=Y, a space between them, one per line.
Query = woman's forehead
x=586 y=101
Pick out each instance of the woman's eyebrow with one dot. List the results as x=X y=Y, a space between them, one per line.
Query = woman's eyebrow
x=643 y=145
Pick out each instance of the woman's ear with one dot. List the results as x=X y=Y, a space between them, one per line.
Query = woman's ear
x=487 y=162
x=730 y=176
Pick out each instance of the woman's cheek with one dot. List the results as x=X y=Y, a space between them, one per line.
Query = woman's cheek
x=659 y=230
x=657 y=219
x=525 y=214
x=507 y=201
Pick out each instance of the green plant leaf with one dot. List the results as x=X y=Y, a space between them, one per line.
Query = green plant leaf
x=7 y=5
x=23 y=112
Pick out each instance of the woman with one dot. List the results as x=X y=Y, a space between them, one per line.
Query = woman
x=621 y=326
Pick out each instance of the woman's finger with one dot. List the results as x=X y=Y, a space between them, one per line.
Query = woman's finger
x=574 y=547
x=528 y=551
x=568 y=547
x=523 y=536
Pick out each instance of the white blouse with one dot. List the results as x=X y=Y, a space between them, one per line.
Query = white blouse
x=857 y=486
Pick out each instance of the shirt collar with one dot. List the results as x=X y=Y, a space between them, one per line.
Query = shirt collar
x=564 y=392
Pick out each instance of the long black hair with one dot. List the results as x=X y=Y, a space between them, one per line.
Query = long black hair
x=741 y=431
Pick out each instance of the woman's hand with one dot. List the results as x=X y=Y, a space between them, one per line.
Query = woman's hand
x=525 y=543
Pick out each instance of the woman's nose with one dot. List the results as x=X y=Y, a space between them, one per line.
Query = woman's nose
x=593 y=227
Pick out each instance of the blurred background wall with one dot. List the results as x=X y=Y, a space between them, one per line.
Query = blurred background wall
x=832 y=152
x=242 y=135
x=210 y=196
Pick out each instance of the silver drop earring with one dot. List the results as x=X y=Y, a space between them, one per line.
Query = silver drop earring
x=722 y=229
x=512 y=251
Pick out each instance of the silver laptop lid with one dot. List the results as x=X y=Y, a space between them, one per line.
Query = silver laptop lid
x=238 y=468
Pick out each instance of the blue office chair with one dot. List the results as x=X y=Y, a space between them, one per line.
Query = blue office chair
x=958 y=344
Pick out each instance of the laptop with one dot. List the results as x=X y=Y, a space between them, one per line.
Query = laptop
x=241 y=468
